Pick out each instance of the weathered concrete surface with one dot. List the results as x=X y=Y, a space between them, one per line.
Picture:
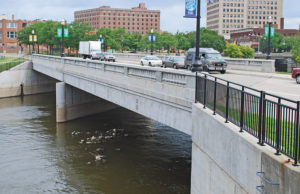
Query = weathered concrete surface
x=279 y=170
x=72 y=103
x=33 y=82
x=226 y=161
x=162 y=95
x=258 y=65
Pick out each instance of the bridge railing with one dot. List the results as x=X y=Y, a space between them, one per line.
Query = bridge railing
x=272 y=119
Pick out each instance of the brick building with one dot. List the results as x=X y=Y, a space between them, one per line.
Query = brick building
x=250 y=36
x=224 y=16
x=8 y=34
x=137 y=19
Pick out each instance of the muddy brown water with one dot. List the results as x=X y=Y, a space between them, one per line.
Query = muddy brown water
x=37 y=155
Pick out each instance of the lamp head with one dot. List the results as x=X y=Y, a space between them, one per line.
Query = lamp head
x=270 y=19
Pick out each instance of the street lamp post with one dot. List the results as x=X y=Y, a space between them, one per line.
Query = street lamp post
x=269 y=38
x=197 y=62
x=32 y=32
x=63 y=22
x=151 y=41
x=100 y=36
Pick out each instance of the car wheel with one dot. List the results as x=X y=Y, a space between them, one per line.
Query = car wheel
x=298 y=79
x=175 y=66
x=114 y=60
x=223 y=71
x=164 y=65
x=150 y=64
x=142 y=64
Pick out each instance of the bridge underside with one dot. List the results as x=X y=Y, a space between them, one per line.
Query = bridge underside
x=151 y=100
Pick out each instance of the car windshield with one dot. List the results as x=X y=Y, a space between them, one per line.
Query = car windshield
x=214 y=56
x=153 y=58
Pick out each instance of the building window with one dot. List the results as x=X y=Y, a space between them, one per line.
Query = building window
x=0 y=35
x=0 y=25
x=11 y=25
x=11 y=34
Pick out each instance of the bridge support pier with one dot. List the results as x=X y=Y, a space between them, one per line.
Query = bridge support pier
x=72 y=103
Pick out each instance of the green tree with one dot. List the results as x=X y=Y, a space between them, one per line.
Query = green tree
x=233 y=51
x=247 y=52
x=296 y=49
x=168 y=40
x=182 y=41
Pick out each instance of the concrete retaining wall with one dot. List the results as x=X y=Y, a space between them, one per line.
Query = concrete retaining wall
x=258 y=65
x=226 y=161
x=33 y=82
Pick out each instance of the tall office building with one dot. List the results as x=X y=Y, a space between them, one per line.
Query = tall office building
x=226 y=15
x=137 y=19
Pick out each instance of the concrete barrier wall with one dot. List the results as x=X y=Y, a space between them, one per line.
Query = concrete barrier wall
x=33 y=82
x=226 y=161
x=258 y=65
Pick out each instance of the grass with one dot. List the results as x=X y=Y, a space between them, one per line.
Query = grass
x=251 y=124
x=10 y=62
x=284 y=73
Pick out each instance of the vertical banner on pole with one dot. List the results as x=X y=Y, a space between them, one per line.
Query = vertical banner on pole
x=190 y=8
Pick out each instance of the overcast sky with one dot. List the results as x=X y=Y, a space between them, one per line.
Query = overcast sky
x=172 y=11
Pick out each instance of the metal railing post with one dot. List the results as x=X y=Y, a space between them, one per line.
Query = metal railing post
x=215 y=96
x=196 y=89
x=261 y=99
x=242 y=109
x=263 y=135
x=204 y=99
x=227 y=103
x=278 y=122
x=296 y=143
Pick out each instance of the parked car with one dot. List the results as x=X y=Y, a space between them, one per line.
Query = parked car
x=106 y=56
x=211 y=60
x=175 y=62
x=151 y=61
x=296 y=74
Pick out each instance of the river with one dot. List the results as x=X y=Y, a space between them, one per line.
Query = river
x=117 y=152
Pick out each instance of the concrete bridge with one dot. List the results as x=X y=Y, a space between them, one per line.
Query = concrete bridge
x=223 y=160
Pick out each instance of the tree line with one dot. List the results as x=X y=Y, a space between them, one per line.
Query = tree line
x=117 y=39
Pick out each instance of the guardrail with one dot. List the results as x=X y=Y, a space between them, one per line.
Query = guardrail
x=258 y=65
x=272 y=119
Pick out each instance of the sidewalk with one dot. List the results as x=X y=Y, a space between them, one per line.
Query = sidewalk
x=260 y=74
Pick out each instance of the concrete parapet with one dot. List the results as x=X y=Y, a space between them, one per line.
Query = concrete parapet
x=227 y=161
x=72 y=103
x=258 y=65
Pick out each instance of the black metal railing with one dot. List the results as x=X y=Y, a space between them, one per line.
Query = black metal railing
x=272 y=119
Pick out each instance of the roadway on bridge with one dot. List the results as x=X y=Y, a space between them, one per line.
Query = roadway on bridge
x=281 y=85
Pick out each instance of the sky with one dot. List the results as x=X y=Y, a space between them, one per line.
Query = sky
x=172 y=11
